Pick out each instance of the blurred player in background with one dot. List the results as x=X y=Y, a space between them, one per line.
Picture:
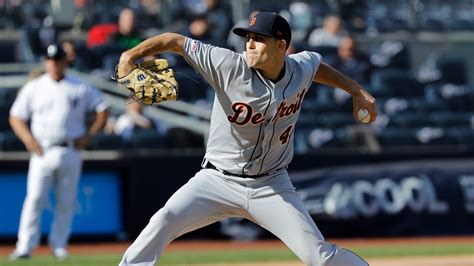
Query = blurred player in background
x=330 y=34
x=56 y=105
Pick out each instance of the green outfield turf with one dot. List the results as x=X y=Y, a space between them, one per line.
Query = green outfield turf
x=210 y=257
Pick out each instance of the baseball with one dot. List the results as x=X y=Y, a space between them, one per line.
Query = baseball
x=363 y=115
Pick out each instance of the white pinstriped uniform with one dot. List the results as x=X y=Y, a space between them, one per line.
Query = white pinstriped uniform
x=251 y=133
x=57 y=111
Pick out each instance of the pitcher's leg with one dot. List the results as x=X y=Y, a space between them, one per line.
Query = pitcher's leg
x=203 y=200
x=279 y=209
x=38 y=184
x=346 y=257
x=293 y=226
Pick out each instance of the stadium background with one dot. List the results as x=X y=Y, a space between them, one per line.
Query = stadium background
x=410 y=174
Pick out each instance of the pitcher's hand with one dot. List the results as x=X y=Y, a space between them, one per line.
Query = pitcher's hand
x=126 y=65
x=363 y=100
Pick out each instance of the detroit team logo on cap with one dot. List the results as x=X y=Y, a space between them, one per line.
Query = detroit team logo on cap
x=267 y=24
x=253 y=21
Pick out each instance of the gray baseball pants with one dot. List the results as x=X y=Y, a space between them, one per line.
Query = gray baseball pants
x=269 y=201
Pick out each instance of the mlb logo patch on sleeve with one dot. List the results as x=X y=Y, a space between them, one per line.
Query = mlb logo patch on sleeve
x=194 y=46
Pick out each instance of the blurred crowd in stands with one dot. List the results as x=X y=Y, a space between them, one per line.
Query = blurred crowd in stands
x=432 y=106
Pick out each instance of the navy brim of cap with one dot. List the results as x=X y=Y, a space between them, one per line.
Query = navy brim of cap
x=244 y=31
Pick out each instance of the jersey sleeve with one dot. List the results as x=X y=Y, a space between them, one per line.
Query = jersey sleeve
x=217 y=65
x=315 y=61
x=307 y=65
x=21 y=107
x=95 y=100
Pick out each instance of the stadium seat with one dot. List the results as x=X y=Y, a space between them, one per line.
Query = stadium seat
x=420 y=104
x=325 y=51
x=7 y=97
x=461 y=103
x=462 y=24
x=393 y=105
x=391 y=137
x=300 y=140
x=308 y=120
x=455 y=97
x=430 y=22
x=317 y=138
x=451 y=119
x=391 y=55
x=438 y=92
x=336 y=120
x=319 y=107
x=320 y=99
x=103 y=141
x=463 y=135
x=4 y=117
x=11 y=142
x=192 y=86
x=84 y=61
x=453 y=69
x=399 y=83
x=177 y=137
x=312 y=92
x=9 y=51
x=410 y=120
x=99 y=34
x=147 y=139
x=433 y=136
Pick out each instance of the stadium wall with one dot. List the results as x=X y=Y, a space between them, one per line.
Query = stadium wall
x=347 y=194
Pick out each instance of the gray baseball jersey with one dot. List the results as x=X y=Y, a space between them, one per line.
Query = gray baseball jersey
x=246 y=103
x=251 y=133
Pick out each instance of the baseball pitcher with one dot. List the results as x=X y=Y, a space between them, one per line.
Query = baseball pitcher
x=259 y=94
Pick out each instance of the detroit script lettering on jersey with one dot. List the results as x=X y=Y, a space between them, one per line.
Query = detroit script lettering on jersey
x=247 y=114
x=244 y=113
x=286 y=110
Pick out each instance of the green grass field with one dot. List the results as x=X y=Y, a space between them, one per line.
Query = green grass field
x=212 y=257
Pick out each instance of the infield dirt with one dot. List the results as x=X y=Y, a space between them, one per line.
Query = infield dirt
x=456 y=260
